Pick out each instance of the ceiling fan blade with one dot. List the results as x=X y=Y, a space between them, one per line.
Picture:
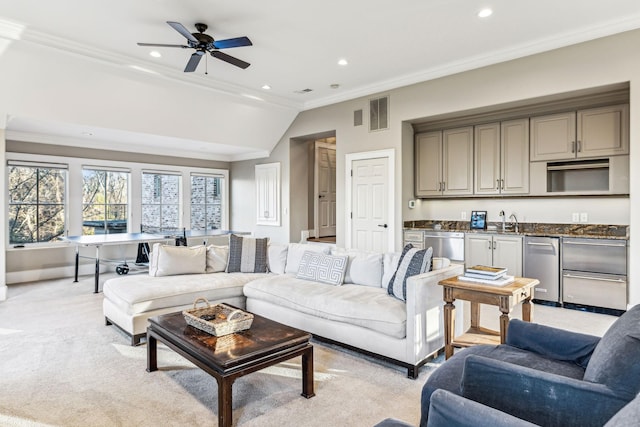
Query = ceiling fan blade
x=163 y=45
x=182 y=30
x=193 y=62
x=236 y=42
x=230 y=59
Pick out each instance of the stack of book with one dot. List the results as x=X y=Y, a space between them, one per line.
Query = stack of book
x=487 y=275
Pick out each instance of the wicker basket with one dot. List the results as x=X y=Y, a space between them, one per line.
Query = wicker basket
x=218 y=320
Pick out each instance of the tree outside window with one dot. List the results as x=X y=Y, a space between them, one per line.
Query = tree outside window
x=160 y=202
x=36 y=204
x=105 y=196
x=206 y=202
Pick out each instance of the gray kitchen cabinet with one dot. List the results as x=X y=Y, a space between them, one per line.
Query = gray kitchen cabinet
x=588 y=133
x=501 y=157
x=498 y=250
x=444 y=163
x=415 y=237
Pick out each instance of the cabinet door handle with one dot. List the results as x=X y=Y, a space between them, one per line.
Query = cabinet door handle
x=573 y=146
x=497 y=184
x=494 y=245
x=579 y=145
x=502 y=180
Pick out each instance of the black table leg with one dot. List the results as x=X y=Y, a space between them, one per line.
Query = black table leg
x=77 y=262
x=97 y=273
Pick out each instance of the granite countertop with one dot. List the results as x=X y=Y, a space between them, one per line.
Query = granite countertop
x=593 y=231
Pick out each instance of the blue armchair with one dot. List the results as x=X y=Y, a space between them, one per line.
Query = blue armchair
x=547 y=376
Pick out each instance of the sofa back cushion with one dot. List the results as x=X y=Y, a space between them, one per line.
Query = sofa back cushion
x=217 y=258
x=614 y=362
x=323 y=268
x=295 y=252
x=364 y=268
x=169 y=260
x=277 y=255
x=412 y=262
x=247 y=255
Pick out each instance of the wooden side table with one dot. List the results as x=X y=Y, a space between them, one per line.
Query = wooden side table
x=505 y=297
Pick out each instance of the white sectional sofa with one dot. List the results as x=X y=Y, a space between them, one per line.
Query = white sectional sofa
x=358 y=312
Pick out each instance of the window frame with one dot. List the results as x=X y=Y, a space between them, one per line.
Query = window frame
x=181 y=200
x=10 y=162
x=73 y=191
x=225 y=196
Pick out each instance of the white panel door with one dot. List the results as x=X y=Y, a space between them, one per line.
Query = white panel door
x=326 y=173
x=369 y=208
x=268 y=194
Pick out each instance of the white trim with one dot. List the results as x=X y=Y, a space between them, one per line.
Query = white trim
x=365 y=155
x=51 y=273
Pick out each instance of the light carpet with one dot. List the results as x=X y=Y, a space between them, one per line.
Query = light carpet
x=61 y=366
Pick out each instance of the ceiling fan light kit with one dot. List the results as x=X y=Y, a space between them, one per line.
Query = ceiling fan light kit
x=203 y=43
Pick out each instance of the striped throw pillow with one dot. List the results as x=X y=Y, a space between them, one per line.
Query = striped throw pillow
x=247 y=255
x=413 y=261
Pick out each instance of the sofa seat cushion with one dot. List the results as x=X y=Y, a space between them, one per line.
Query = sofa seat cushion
x=364 y=306
x=140 y=293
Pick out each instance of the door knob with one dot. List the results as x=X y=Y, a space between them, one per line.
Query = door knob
x=383 y=225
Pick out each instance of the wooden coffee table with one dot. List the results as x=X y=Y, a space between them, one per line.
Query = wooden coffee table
x=232 y=356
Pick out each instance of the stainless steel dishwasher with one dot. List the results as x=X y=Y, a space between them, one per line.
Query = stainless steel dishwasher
x=448 y=244
x=542 y=262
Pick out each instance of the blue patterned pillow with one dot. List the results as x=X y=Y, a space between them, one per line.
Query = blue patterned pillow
x=323 y=268
x=247 y=255
x=412 y=262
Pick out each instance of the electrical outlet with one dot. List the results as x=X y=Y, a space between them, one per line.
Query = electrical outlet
x=575 y=217
x=584 y=217
x=463 y=215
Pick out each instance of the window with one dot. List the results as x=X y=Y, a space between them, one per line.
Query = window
x=160 y=201
x=105 y=195
x=36 y=202
x=206 y=202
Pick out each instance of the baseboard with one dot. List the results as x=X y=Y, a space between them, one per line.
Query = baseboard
x=48 y=273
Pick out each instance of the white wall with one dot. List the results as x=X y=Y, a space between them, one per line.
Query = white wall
x=596 y=63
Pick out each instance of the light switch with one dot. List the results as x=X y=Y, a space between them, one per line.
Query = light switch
x=583 y=217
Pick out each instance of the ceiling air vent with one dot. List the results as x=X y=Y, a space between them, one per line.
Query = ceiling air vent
x=379 y=113
x=357 y=118
x=307 y=90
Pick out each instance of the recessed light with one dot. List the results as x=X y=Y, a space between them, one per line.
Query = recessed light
x=484 y=13
x=155 y=54
x=334 y=86
x=343 y=62
x=266 y=87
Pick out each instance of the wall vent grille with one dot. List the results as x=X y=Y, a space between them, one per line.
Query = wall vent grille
x=357 y=118
x=379 y=113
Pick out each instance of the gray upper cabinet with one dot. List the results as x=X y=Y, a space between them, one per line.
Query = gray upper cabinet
x=501 y=158
x=594 y=132
x=444 y=163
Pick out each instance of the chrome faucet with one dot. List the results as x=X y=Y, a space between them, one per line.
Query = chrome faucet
x=515 y=219
x=504 y=219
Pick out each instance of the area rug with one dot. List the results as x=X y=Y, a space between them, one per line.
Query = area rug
x=61 y=366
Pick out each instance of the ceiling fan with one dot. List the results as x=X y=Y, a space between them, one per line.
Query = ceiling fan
x=204 y=43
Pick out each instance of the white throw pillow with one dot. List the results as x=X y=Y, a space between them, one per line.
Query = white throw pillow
x=437 y=263
x=172 y=260
x=389 y=265
x=323 y=268
x=295 y=252
x=277 y=254
x=364 y=268
x=217 y=258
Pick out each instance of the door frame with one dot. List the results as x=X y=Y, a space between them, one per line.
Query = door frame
x=391 y=192
x=317 y=145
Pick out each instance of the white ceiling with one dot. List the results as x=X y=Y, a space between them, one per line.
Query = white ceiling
x=296 y=46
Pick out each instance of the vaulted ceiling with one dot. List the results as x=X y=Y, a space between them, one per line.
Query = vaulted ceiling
x=71 y=71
